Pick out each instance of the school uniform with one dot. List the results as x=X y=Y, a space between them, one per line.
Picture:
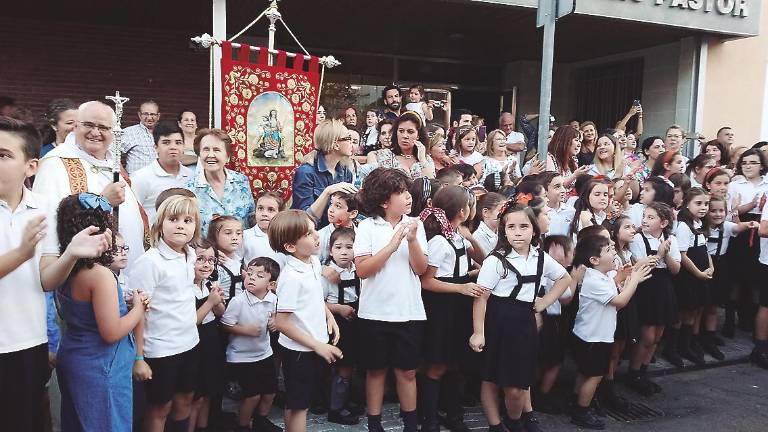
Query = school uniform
x=210 y=347
x=595 y=323
x=325 y=241
x=249 y=358
x=449 y=315
x=717 y=246
x=763 y=260
x=691 y=292
x=553 y=333
x=170 y=325
x=300 y=292
x=256 y=244
x=627 y=325
x=561 y=224
x=745 y=248
x=486 y=238
x=23 y=340
x=230 y=276
x=511 y=343
x=346 y=292
x=656 y=301
x=391 y=314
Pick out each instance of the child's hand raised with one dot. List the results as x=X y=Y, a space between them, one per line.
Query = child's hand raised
x=663 y=248
x=641 y=272
x=216 y=295
x=88 y=243
x=411 y=229
x=398 y=237
x=34 y=231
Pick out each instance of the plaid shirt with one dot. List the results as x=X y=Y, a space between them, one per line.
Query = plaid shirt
x=139 y=147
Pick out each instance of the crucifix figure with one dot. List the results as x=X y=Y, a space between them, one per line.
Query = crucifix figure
x=117 y=142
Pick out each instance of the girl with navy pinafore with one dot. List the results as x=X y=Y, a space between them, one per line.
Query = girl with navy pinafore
x=444 y=285
x=656 y=303
x=504 y=316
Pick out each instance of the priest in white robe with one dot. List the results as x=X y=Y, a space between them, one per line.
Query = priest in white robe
x=86 y=153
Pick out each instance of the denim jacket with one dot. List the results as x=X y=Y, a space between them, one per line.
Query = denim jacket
x=311 y=179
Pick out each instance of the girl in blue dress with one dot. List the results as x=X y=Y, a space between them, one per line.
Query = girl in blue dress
x=97 y=352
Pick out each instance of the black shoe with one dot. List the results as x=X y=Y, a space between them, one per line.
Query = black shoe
x=708 y=345
x=530 y=422
x=673 y=356
x=263 y=424
x=512 y=425
x=640 y=384
x=587 y=419
x=453 y=423
x=695 y=345
x=430 y=425
x=656 y=388
x=355 y=409
x=343 y=417
x=688 y=354
x=548 y=404
x=609 y=398
x=318 y=408
x=759 y=358
x=686 y=349
x=597 y=408
x=375 y=427
x=717 y=340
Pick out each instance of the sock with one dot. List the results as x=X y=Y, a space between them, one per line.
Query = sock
x=339 y=393
x=374 y=421
x=430 y=397
x=451 y=395
x=177 y=425
x=410 y=421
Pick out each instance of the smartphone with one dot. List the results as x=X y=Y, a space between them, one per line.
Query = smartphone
x=481 y=133
x=636 y=102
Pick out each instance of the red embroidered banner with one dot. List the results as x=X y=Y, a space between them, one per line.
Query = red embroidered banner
x=269 y=112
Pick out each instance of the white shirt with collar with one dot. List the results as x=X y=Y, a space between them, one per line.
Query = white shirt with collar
x=256 y=244
x=248 y=309
x=331 y=290
x=486 y=238
x=686 y=238
x=170 y=325
x=555 y=309
x=148 y=182
x=325 y=240
x=394 y=293
x=746 y=190
x=635 y=214
x=22 y=300
x=637 y=247
x=52 y=182
x=492 y=278
x=442 y=255
x=714 y=232
x=596 y=318
x=300 y=292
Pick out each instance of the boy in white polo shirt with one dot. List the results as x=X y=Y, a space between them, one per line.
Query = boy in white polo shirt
x=595 y=324
x=28 y=266
x=303 y=319
x=163 y=173
x=249 y=354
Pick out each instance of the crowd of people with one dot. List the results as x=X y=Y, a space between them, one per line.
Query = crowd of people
x=437 y=265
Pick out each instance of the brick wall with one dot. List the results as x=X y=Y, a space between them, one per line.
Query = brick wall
x=40 y=61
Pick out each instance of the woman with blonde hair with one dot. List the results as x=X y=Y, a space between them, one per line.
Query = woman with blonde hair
x=498 y=159
x=326 y=170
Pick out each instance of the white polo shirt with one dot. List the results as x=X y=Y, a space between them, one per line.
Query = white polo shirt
x=686 y=238
x=170 y=324
x=442 y=255
x=256 y=244
x=148 y=182
x=596 y=318
x=635 y=214
x=22 y=300
x=746 y=190
x=727 y=229
x=331 y=290
x=394 y=293
x=764 y=242
x=637 y=247
x=325 y=240
x=248 y=309
x=555 y=308
x=492 y=278
x=300 y=292
x=560 y=224
x=486 y=238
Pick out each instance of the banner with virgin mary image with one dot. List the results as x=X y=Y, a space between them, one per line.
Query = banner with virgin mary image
x=269 y=112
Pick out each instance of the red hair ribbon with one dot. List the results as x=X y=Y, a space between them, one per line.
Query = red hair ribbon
x=600 y=177
x=668 y=156
x=504 y=207
x=710 y=173
x=445 y=226
x=523 y=199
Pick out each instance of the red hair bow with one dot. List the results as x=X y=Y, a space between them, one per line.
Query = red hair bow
x=524 y=199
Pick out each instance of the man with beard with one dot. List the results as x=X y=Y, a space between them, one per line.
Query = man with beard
x=392 y=100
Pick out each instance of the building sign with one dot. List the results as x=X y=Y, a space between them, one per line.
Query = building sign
x=727 y=17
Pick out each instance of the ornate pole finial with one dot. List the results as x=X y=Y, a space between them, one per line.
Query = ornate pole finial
x=117 y=130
